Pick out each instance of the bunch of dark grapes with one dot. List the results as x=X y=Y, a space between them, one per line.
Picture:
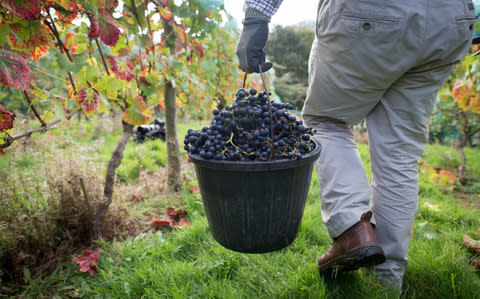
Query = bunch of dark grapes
x=243 y=132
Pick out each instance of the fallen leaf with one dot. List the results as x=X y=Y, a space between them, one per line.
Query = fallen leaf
x=88 y=261
x=426 y=230
x=476 y=264
x=433 y=207
x=165 y=222
x=194 y=189
x=137 y=198
x=175 y=214
x=471 y=243
x=181 y=223
x=176 y=219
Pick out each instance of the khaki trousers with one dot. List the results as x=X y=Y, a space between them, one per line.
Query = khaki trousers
x=383 y=61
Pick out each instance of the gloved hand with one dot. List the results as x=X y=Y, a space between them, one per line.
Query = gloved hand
x=250 y=46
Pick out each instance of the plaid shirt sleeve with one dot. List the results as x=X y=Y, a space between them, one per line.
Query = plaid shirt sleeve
x=261 y=9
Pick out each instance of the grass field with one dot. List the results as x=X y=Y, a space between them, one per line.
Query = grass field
x=188 y=262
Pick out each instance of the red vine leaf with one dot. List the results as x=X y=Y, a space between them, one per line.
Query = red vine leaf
x=6 y=118
x=14 y=70
x=88 y=100
x=109 y=31
x=165 y=12
x=94 y=26
x=88 y=261
x=471 y=243
x=137 y=113
x=23 y=9
x=126 y=68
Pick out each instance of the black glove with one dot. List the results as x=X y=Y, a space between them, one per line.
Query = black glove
x=250 y=46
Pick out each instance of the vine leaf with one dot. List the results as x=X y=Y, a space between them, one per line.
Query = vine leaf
x=88 y=100
x=165 y=13
x=182 y=37
x=70 y=43
x=28 y=36
x=466 y=98
x=39 y=52
x=60 y=106
x=14 y=70
x=94 y=26
x=126 y=66
x=197 y=48
x=23 y=9
x=65 y=10
x=6 y=118
x=462 y=89
x=104 y=26
x=109 y=31
x=137 y=113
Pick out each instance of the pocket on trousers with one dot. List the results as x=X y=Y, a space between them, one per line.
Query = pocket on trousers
x=346 y=30
x=465 y=26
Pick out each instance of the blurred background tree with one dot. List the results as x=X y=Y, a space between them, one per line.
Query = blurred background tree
x=288 y=48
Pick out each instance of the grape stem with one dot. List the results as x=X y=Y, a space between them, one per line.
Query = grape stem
x=272 y=149
x=230 y=140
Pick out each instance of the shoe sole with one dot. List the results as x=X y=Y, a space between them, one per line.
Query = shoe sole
x=366 y=255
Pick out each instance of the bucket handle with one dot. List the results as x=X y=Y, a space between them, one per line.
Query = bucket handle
x=272 y=148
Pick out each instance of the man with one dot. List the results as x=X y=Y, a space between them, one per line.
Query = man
x=382 y=61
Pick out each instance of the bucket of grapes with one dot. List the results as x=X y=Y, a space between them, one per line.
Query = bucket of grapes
x=254 y=165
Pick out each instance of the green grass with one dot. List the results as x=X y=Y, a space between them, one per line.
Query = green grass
x=189 y=263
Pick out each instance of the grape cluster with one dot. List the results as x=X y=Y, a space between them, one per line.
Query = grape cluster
x=243 y=132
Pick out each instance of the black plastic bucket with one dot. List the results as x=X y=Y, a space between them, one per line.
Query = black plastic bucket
x=251 y=206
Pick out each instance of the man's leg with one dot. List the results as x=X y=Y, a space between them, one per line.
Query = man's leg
x=397 y=130
x=345 y=196
x=344 y=187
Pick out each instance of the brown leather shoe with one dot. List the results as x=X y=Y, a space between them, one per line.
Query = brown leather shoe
x=356 y=247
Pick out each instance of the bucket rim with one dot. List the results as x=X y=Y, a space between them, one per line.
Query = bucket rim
x=307 y=158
